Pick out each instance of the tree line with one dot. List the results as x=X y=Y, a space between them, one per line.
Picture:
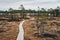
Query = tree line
x=54 y=12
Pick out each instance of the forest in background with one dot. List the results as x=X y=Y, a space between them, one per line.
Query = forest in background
x=54 y=12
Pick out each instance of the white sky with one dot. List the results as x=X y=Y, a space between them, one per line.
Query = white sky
x=28 y=4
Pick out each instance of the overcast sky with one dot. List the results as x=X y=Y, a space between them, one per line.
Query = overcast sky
x=28 y=4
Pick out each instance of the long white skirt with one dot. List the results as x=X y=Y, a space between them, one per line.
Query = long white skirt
x=21 y=32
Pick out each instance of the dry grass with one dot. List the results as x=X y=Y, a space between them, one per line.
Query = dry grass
x=50 y=27
x=9 y=30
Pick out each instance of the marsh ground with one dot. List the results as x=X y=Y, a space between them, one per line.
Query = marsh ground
x=9 y=30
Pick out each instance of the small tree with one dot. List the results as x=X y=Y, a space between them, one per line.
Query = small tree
x=23 y=13
x=12 y=13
